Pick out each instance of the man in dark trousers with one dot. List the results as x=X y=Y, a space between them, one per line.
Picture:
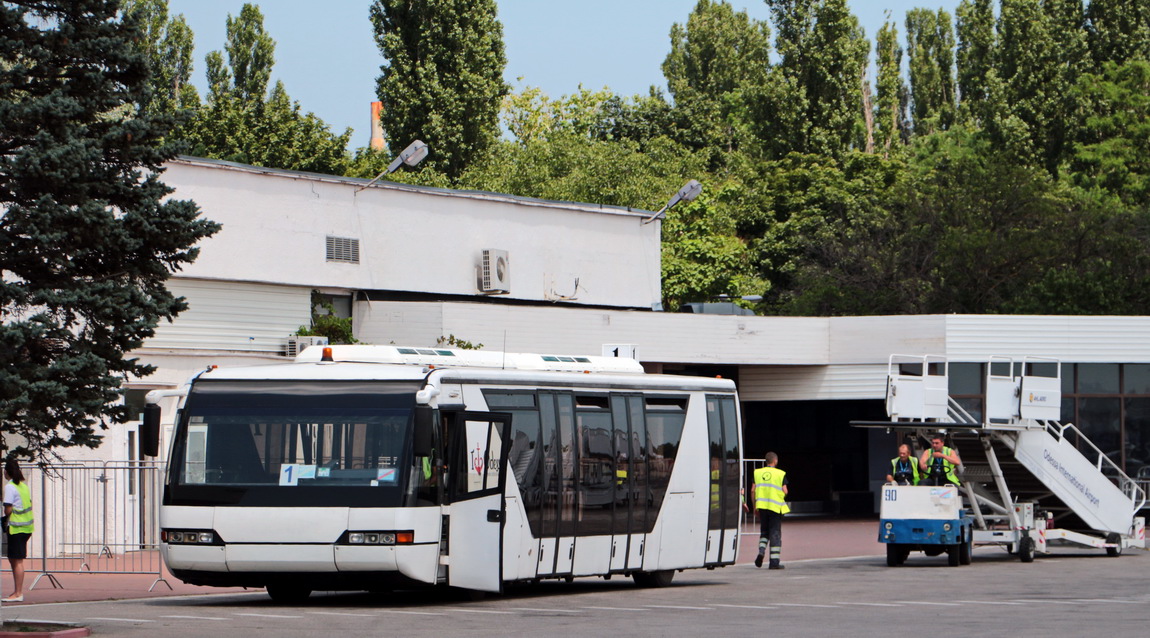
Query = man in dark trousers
x=770 y=500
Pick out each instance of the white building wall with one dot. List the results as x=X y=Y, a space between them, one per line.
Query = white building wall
x=275 y=225
x=1099 y=339
x=660 y=337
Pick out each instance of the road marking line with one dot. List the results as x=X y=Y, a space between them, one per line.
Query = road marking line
x=1104 y=600
x=805 y=605
x=340 y=613
x=270 y=615
x=419 y=613
x=1032 y=600
x=986 y=602
x=925 y=602
x=121 y=619
x=561 y=611
x=871 y=604
x=617 y=608
x=478 y=611
x=681 y=607
x=745 y=606
x=197 y=617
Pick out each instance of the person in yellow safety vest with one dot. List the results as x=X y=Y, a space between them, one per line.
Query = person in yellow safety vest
x=19 y=527
x=771 y=501
x=903 y=469
x=939 y=463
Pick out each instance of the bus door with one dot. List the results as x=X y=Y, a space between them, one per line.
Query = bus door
x=477 y=464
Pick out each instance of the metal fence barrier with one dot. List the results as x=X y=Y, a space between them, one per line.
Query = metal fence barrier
x=98 y=517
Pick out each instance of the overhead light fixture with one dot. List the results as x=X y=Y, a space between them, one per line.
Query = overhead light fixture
x=688 y=192
x=410 y=156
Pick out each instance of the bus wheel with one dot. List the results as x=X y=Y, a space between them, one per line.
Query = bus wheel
x=288 y=594
x=661 y=578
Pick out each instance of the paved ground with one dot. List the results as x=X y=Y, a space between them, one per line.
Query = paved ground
x=1069 y=593
x=803 y=538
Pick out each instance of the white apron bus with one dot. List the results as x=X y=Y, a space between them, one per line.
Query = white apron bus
x=379 y=467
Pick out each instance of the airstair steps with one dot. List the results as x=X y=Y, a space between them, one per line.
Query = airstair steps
x=1017 y=453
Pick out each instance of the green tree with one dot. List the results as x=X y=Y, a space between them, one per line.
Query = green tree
x=243 y=122
x=702 y=255
x=713 y=58
x=1112 y=149
x=812 y=101
x=87 y=238
x=442 y=81
x=1042 y=52
x=168 y=45
x=890 y=116
x=975 y=58
x=1119 y=30
x=930 y=53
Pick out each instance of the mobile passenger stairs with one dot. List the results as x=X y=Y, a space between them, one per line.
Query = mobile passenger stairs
x=1028 y=480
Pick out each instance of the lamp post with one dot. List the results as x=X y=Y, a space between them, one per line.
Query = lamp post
x=411 y=156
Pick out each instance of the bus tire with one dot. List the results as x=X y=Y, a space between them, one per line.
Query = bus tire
x=288 y=593
x=952 y=557
x=661 y=578
x=966 y=552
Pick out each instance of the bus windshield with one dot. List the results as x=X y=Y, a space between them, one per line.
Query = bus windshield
x=294 y=443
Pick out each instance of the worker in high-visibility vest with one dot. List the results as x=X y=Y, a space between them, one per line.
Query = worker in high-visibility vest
x=903 y=469
x=19 y=527
x=938 y=464
x=770 y=500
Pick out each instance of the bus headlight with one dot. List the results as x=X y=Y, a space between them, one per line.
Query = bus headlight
x=190 y=537
x=377 y=538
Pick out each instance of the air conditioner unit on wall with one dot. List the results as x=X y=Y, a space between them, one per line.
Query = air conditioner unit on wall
x=495 y=272
x=296 y=345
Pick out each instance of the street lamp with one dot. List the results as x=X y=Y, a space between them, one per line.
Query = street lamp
x=688 y=192
x=412 y=155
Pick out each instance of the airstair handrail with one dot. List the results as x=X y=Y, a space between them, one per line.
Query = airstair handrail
x=1128 y=485
x=957 y=413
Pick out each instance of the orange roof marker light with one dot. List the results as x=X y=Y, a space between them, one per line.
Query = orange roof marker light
x=327 y=355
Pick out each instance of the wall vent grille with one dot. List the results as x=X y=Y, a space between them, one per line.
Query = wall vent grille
x=343 y=249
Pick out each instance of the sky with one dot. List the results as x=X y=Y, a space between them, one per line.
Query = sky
x=328 y=61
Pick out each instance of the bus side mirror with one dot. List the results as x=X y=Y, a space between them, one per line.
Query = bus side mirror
x=150 y=430
x=424 y=426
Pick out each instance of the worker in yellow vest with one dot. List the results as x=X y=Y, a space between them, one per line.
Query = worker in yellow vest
x=19 y=527
x=771 y=502
x=938 y=464
x=903 y=469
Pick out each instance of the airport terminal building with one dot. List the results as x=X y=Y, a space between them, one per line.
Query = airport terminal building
x=413 y=266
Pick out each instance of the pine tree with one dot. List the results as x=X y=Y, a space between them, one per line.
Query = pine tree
x=443 y=78
x=87 y=238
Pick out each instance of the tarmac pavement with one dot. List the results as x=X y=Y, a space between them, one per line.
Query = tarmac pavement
x=804 y=538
